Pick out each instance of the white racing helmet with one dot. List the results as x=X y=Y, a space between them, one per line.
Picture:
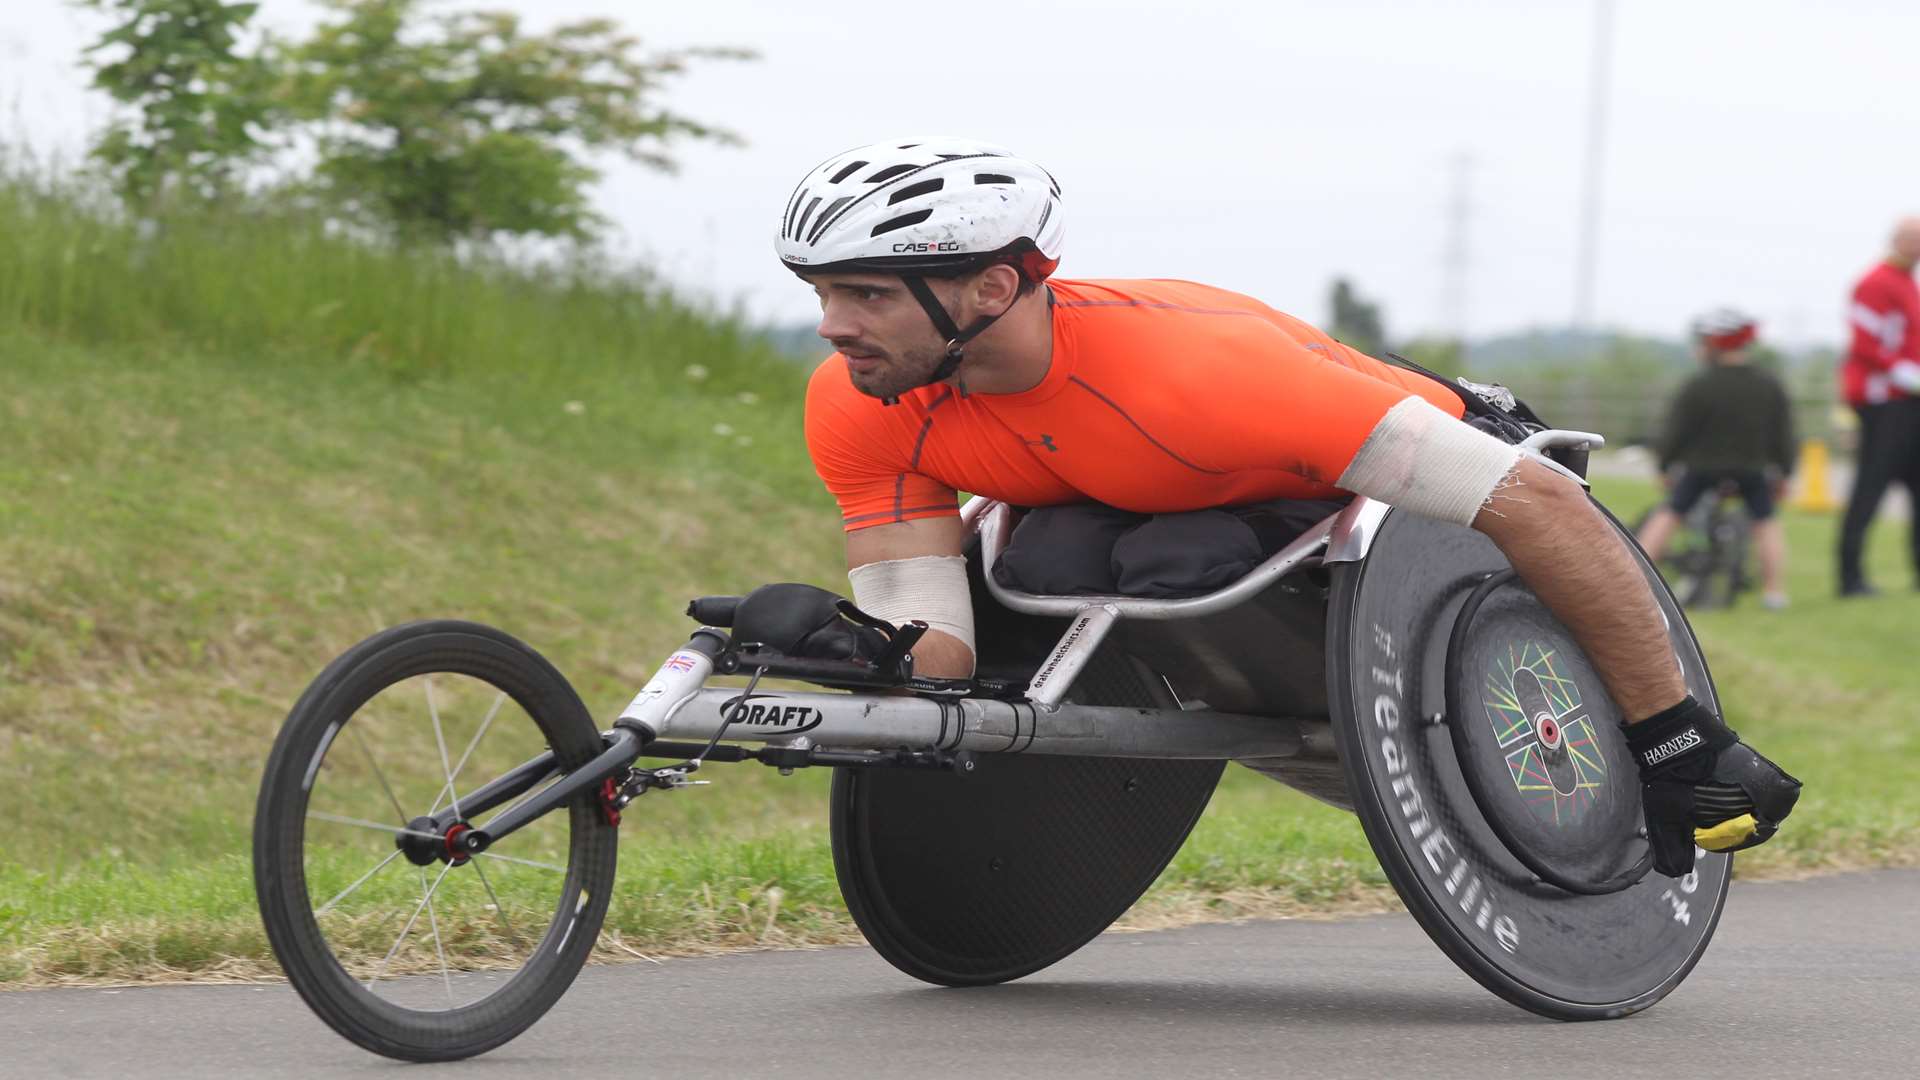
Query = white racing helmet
x=920 y=208
x=936 y=207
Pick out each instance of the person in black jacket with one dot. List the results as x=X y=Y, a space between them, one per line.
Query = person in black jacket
x=1731 y=424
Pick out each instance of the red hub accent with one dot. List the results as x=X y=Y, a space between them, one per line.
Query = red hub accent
x=610 y=791
x=456 y=852
x=1550 y=732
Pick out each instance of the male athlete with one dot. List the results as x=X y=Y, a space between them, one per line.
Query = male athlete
x=961 y=366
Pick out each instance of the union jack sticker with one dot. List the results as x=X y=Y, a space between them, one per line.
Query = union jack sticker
x=679 y=662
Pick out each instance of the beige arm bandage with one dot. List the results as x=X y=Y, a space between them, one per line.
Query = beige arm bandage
x=1418 y=458
x=931 y=588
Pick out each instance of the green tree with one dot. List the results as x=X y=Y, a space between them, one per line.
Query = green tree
x=1356 y=321
x=197 y=104
x=462 y=125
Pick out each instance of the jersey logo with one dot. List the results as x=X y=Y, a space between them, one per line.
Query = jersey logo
x=1044 y=440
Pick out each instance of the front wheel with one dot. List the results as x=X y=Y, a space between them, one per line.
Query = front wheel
x=399 y=943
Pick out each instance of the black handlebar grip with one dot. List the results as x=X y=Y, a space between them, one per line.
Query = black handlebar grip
x=1573 y=457
x=714 y=610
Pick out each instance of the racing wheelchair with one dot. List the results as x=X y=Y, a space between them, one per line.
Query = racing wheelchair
x=984 y=829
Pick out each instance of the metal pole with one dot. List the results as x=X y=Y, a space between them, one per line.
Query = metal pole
x=1585 y=268
x=1455 y=258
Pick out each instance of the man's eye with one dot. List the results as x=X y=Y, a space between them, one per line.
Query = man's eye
x=865 y=294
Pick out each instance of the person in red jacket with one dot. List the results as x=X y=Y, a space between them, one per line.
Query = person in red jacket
x=1880 y=379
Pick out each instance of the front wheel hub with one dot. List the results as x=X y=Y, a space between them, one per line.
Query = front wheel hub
x=421 y=844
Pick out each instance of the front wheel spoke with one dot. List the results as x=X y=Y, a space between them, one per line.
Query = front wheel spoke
x=407 y=929
x=522 y=862
x=364 y=878
x=381 y=776
x=440 y=740
x=390 y=830
x=433 y=920
x=499 y=699
x=498 y=907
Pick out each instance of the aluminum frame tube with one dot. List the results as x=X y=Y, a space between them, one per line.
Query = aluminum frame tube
x=996 y=529
x=886 y=721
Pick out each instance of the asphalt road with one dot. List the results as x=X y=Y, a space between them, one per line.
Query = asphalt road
x=1815 y=978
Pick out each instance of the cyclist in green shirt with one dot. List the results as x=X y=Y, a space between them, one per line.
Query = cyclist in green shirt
x=1730 y=425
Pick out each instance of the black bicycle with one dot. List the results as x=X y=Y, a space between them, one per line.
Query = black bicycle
x=1709 y=562
x=435 y=838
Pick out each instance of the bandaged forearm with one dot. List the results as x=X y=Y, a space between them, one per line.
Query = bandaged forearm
x=931 y=588
x=1420 y=459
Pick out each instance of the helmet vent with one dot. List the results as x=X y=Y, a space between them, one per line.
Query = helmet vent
x=924 y=187
x=992 y=178
x=801 y=225
x=891 y=171
x=846 y=172
x=901 y=222
x=826 y=215
x=792 y=210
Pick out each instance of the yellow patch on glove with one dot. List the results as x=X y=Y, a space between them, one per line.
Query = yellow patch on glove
x=1727 y=835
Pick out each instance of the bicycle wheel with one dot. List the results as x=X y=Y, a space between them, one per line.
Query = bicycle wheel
x=1691 y=559
x=398 y=946
x=1737 y=531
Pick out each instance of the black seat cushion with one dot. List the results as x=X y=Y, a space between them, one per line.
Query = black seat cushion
x=1087 y=549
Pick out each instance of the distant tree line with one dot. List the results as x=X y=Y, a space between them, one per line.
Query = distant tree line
x=1619 y=385
x=435 y=126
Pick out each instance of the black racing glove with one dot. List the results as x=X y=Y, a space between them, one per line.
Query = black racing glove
x=807 y=621
x=1505 y=428
x=1700 y=784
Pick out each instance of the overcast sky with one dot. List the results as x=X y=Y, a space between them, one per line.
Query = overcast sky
x=1758 y=150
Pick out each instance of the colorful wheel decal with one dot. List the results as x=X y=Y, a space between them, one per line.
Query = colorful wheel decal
x=1555 y=761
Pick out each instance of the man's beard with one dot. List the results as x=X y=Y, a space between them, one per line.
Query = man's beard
x=896 y=375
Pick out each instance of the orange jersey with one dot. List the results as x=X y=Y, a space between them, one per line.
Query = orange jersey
x=1161 y=396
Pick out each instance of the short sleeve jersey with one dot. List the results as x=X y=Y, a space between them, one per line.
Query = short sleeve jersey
x=1161 y=396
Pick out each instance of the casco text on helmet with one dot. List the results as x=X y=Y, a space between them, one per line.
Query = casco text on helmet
x=933 y=207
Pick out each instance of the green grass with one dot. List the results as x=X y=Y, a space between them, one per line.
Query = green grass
x=228 y=450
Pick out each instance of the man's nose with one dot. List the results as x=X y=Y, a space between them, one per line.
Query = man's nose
x=834 y=322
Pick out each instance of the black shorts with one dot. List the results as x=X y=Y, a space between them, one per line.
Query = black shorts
x=1755 y=491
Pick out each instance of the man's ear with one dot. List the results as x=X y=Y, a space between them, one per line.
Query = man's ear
x=995 y=289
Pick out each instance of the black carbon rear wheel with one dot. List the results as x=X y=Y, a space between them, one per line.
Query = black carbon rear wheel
x=990 y=874
x=396 y=942
x=1543 y=740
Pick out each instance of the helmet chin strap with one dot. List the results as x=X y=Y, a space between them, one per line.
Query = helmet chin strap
x=956 y=338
